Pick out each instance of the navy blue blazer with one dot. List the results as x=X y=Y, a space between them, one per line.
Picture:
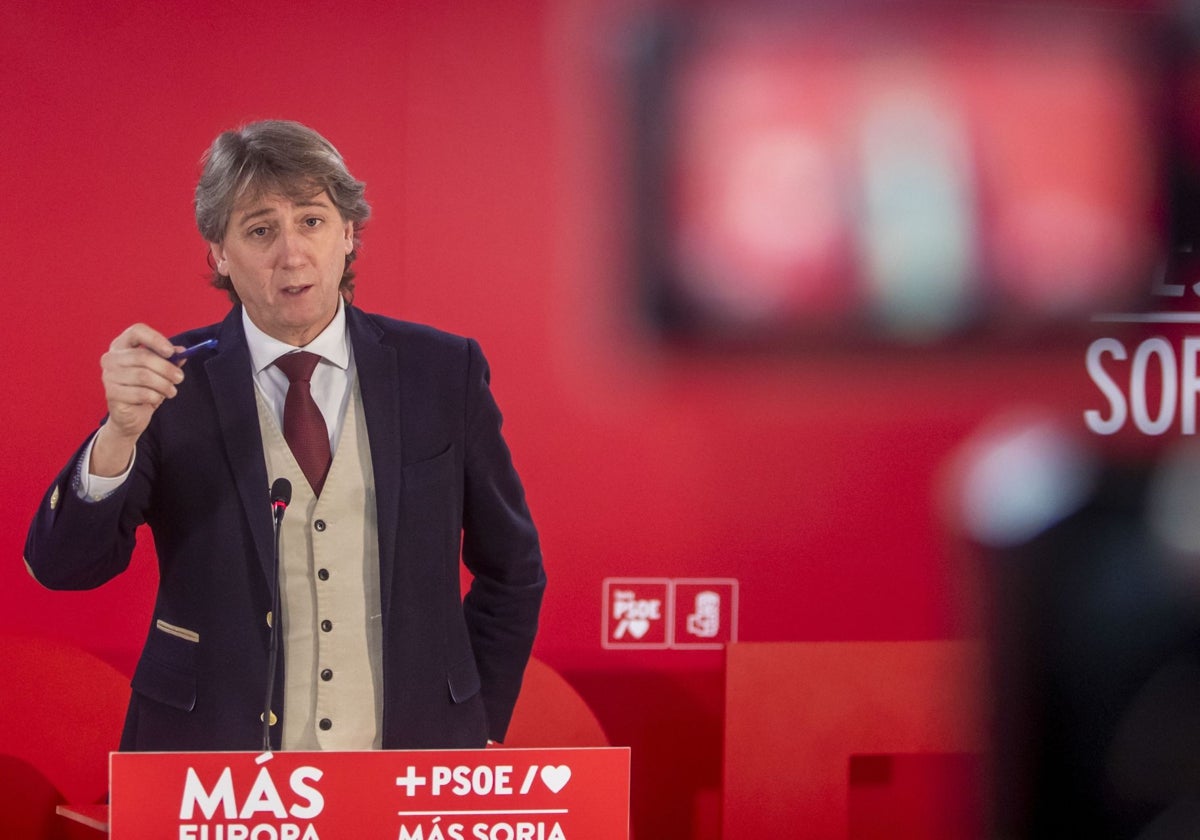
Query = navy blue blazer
x=444 y=484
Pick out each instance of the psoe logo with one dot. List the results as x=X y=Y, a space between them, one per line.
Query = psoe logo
x=705 y=622
x=706 y=612
x=637 y=613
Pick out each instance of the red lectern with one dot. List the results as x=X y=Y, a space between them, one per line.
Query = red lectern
x=495 y=794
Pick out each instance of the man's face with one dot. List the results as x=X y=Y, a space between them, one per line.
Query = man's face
x=285 y=260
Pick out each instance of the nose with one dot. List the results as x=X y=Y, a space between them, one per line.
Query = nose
x=290 y=248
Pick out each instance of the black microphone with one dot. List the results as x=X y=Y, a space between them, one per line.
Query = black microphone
x=281 y=497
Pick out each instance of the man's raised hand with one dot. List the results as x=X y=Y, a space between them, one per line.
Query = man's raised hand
x=137 y=379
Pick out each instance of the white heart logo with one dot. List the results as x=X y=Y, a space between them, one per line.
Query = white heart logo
x=638 y=627
x=556 y=778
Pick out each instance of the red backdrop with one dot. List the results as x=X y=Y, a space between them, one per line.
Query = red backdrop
x=490 y=137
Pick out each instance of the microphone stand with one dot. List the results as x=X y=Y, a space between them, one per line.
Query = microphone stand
x=281 y=493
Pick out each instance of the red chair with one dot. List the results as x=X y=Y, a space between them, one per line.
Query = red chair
x=550 y=713
x=63 y=711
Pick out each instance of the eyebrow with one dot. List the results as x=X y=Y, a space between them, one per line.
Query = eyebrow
x=270 y=211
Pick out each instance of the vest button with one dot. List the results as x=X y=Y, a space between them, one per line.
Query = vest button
x=319 y=524
x=323 y=574
x=327 y=675
x=327 y=625
x=326 y=724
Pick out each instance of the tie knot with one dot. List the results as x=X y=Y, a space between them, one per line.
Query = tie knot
x=298 y=367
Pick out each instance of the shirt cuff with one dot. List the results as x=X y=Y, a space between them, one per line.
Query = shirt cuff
x=96 y=488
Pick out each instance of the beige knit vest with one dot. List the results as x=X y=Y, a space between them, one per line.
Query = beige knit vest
x=329 y=592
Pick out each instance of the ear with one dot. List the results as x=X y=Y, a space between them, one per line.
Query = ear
x=348 y=233
x=217 y=250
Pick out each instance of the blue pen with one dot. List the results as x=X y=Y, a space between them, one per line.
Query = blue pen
x=188 y=352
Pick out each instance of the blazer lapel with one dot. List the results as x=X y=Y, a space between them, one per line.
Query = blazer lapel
x=233 y=394
x=378 y=381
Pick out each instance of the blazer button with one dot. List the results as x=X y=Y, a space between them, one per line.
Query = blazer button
x=274 y=720
x=323 y=574
x=270 y=618
x=326 y=724
x=327 y=625
x=319 y=524
x=327 y=675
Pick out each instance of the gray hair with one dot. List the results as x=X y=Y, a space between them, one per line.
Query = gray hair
x=275 y=156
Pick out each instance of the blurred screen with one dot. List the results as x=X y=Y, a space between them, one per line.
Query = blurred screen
x=911 y=174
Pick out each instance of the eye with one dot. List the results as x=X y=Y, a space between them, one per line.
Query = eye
x=313 y=221
x=258 y=232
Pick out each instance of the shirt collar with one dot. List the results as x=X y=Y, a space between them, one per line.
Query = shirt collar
x=332 y=345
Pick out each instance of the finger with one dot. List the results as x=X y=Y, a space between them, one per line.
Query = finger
x=135 y=395
x=141 y=376
x=140 y=359
x=143 y=335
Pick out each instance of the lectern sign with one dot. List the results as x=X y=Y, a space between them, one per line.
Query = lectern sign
x=497 y=794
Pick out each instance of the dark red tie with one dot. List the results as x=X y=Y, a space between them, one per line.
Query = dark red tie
x=303 y=426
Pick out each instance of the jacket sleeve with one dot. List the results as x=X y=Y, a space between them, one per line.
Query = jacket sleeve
x=501 y=551
x=78 y=544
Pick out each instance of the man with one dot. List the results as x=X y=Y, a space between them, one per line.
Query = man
x=393 y=448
